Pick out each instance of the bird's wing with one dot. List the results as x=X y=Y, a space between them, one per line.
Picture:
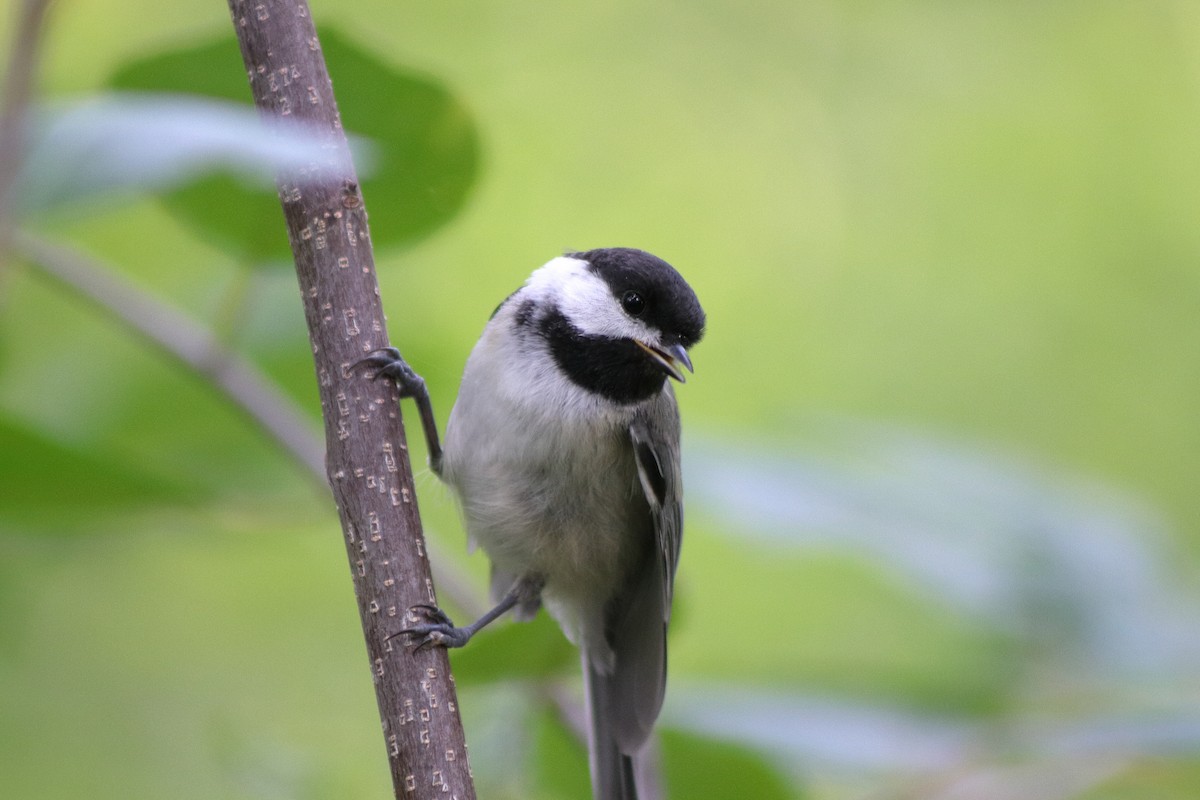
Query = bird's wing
x=637 y=620
x=655 y=436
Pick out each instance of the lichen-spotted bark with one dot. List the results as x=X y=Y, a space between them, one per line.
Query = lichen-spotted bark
x=366 y=453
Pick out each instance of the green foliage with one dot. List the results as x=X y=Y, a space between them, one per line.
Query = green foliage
x=692 y=766
x=55 y=489
x=527 y=652
x=424 y=140
x=561 y=765
x=698 y=767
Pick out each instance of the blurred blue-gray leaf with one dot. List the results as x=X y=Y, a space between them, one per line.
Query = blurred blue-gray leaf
x=1031 y=757
x=1076 y=566
x=132 y=142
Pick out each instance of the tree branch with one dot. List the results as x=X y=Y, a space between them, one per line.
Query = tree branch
x=18 y=87
x=366 y=451
x=186 y=340
x=236 y=379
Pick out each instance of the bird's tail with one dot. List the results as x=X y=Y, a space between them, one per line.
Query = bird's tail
x=612 y=770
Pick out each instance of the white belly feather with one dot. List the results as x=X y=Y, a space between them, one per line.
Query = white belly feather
x=524 y=452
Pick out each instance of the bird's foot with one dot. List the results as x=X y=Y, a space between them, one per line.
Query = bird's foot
x=433 y=629
x=388 y=363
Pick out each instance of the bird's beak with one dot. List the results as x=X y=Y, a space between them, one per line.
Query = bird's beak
x=668 y=359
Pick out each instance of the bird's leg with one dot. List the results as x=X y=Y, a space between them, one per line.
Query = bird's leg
x=438 y=631
x=388 y=364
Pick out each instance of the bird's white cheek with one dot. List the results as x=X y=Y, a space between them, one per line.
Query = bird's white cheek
x=586 y=301
x=597 y=313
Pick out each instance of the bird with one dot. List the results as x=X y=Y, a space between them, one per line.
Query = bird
x=563 y=450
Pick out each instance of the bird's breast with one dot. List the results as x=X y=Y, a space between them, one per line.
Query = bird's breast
x=544 y=472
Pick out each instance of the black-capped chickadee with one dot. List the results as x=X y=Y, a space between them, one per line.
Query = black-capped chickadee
x=563 y=449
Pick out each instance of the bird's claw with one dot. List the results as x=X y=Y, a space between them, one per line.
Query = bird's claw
x=434 y=629
x=388 y=363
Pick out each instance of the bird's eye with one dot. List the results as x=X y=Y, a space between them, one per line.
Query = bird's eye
x=633 y=303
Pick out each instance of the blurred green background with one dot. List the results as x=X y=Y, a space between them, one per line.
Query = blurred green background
x=943 y=526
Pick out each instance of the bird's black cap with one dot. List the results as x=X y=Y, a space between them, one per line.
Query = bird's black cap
x=671 y=305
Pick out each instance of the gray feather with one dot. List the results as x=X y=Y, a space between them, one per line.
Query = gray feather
x=612 y=770
x=626 y=702
x=655 y=434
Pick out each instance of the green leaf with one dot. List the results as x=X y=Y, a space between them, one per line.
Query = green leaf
x=427 y=147
x=59 y=489
x=694 y=766
x=561 y=767
x=516 y=650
